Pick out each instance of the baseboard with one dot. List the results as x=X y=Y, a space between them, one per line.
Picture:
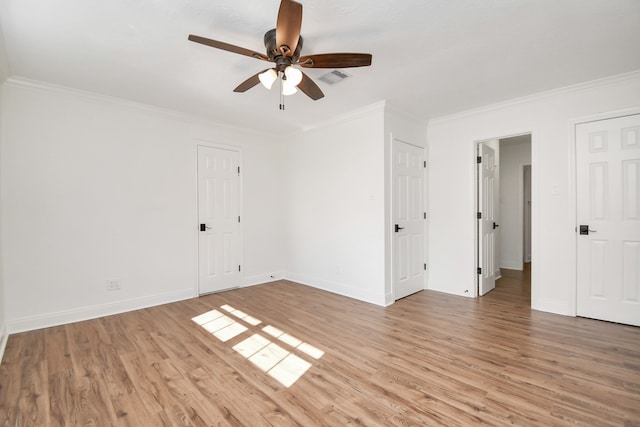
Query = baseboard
x=76 y=315
x=512 y=265
x=4 y=336
x=259 y=279
x=389 y=299
x=333 y=287
x=469 y=292
x=552 y=307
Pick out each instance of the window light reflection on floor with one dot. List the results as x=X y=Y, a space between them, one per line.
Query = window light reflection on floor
x=279 y=363
x=222 y=327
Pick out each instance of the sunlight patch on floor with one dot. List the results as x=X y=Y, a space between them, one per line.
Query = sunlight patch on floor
x=222 y=327
x=294 y=342
x=271 y=358
x=241 y=315
x=277 y=362
x=289 y=370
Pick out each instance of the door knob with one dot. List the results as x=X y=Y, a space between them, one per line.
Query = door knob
x=204 y=227
x=585 y=230
x=398 y=228
x=495 y=225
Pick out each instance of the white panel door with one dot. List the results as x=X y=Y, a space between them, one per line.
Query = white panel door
x=218 y=219
x=408 y=219
x=486 y=222
x=608 y=219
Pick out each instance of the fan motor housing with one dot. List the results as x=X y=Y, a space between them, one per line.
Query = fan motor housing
x=274 y=53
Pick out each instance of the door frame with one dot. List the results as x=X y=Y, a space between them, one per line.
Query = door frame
x=524 y=210
x=391 y=211
x=534 y=209
x=573 y=189
x=196 y=222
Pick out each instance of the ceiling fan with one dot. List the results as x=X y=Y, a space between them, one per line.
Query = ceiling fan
x=284 y=45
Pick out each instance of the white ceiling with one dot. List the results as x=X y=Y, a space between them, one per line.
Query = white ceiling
x=430 y=57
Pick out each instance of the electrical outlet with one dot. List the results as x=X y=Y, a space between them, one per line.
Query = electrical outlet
x=113 y=284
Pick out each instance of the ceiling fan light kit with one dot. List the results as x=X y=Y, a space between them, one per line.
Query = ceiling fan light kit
x=283 y=45
x=288 y=88
x=294 y=76
x=268 y=77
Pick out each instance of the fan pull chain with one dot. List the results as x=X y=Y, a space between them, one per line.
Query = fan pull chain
x=281 y=95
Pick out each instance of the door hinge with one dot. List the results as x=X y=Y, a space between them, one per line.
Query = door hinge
x=479 y=159
x=479 y=216
x=479 y=270
x=425 y=215
x=238 y=218
x=238 y=170
x=425 y=163
x=425 y=266
x=239 y=268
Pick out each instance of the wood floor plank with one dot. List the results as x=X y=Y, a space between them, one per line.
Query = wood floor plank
x=11 y=379
x=429 y=359
x=33 y=405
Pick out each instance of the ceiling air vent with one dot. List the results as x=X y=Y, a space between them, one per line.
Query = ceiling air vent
x=334 y=77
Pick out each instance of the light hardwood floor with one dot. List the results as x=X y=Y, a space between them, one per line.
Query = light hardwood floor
x=429 y=359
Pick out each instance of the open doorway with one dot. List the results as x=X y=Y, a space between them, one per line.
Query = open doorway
x=503 y=210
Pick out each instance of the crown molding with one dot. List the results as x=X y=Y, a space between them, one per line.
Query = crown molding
x=342 y=118
x=606 y=81
x=22 y=82
x=397 y=110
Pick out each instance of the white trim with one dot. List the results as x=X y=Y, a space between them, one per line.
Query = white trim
x=418 y=120
x=351 y=115
x=524 y=257
x=388 y=217
x=602 y=116
x=551 y=306
x=572 y=309
x=4 y=337
x=88 y=96
x=539 y=96
x=329 y=286
x=76 y=315
x=260 y=279
x=534 y=212
x=389 y=299
x=535 y=215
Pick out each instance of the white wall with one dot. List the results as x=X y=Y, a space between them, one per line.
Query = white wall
x=451 y=193
x=336 y=197
x=515 y=154
x=339 y=202
x=95 y=189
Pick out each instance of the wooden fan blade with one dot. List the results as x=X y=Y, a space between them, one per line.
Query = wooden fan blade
x=335 y=60
x=228 y=47
x=288 y=27
x=249 y=83
x=310 y=88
